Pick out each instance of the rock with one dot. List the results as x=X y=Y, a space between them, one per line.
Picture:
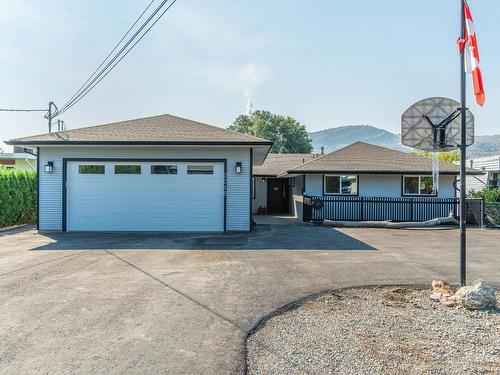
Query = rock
x=439 y=284
x=476 y=297
x=442 y=287
x=435 y=296
x=448 y=303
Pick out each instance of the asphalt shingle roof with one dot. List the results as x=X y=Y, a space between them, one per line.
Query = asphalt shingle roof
x=278 y=164
x=365 y=158
x=149 y=130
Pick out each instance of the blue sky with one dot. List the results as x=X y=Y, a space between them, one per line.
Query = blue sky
x=326 y=63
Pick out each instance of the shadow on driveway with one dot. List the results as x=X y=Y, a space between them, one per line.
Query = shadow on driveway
x=263 y=237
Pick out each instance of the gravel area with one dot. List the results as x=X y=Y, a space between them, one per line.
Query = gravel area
x=377 y=331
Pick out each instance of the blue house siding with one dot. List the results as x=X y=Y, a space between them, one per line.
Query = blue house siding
x=389 y=186
x=238 y=185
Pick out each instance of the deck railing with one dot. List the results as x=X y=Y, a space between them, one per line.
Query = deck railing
x=347 y=208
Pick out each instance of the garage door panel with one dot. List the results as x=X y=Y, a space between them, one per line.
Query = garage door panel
x=146 y=201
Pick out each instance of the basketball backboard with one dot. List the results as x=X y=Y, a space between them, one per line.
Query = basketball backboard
x=434 y=124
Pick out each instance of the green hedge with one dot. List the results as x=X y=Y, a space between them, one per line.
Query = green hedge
x=489 y=195
x=17 y=197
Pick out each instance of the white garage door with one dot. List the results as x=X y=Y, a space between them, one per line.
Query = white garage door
x=145 y=196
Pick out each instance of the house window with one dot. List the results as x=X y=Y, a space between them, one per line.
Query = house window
x=200 y=169
x=493 y=180
x=164 y=169
x=127 y=169
x=91 y=169
x=340 y=185
x=418 y=185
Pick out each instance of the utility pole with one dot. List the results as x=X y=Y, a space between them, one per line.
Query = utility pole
x=51 y=114
x=463 y=156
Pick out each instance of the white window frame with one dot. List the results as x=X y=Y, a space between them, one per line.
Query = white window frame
x=340 y=184
x=419 y=194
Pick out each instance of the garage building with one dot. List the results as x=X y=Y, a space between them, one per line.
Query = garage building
x=161 y=173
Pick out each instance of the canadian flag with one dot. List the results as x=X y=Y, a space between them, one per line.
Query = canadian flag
x=468 y=45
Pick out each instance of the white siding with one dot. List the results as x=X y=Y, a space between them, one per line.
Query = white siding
x=488 y=164
x=380 y=186
x=296 y=197
x=260 y=199
x=314 y=184
x=238 y=185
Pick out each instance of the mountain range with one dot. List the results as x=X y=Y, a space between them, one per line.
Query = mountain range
x=334 y=138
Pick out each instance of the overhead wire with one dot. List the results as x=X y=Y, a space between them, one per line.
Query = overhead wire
x=21 y=110
x=116 y=59
x=111 y=52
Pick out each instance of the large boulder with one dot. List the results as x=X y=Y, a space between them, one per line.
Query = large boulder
x=476 y=297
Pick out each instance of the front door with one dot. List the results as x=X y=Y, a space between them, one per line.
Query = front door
x=277 y=195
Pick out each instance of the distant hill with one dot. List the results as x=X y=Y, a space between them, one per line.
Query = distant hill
x=334 y=138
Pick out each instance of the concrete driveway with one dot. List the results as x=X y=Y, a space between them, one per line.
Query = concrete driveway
x=177 y=304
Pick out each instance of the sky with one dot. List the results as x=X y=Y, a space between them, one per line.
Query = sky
x=326 y=63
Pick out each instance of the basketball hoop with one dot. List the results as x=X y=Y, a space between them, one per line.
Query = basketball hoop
x=434 y=125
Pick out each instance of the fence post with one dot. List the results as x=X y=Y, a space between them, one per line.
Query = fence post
x=362 y=209
x=306 y=209
x=411 y=209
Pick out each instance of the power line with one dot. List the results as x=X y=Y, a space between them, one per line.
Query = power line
x=110 y=53
x=93 y=82
x=110 y=66
x=22 y=110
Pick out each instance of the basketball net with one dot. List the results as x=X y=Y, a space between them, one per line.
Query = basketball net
x=435 y=172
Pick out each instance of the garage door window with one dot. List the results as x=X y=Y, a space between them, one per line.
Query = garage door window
x=127 y=169
x=164 y=169
x=200 y=169
x=91 y=169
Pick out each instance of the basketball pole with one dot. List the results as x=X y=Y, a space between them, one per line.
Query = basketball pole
x=463 y=186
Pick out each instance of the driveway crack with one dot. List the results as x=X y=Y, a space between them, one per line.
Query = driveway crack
x=191 y=299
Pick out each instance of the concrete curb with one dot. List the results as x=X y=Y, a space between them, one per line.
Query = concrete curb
x=11 y=227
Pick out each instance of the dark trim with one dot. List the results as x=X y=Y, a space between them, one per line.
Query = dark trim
x=415 y=195
x=250 y=214
x=64 y=193
x=269 y=151
x=38 y=189
x=303 y=184
x=65 y=177
x=380 y=172
x=225 y=194
x=149 y=160
x=28 y=151
x=266 y=175
x=340 y=194
x=142 y=143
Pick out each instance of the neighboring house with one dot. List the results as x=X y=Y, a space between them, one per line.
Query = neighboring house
x=161 y=173
x=361 y=173
x=19 y=159
x=490 y=165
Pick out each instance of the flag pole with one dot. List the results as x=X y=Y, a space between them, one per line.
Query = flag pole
x=463 y=140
